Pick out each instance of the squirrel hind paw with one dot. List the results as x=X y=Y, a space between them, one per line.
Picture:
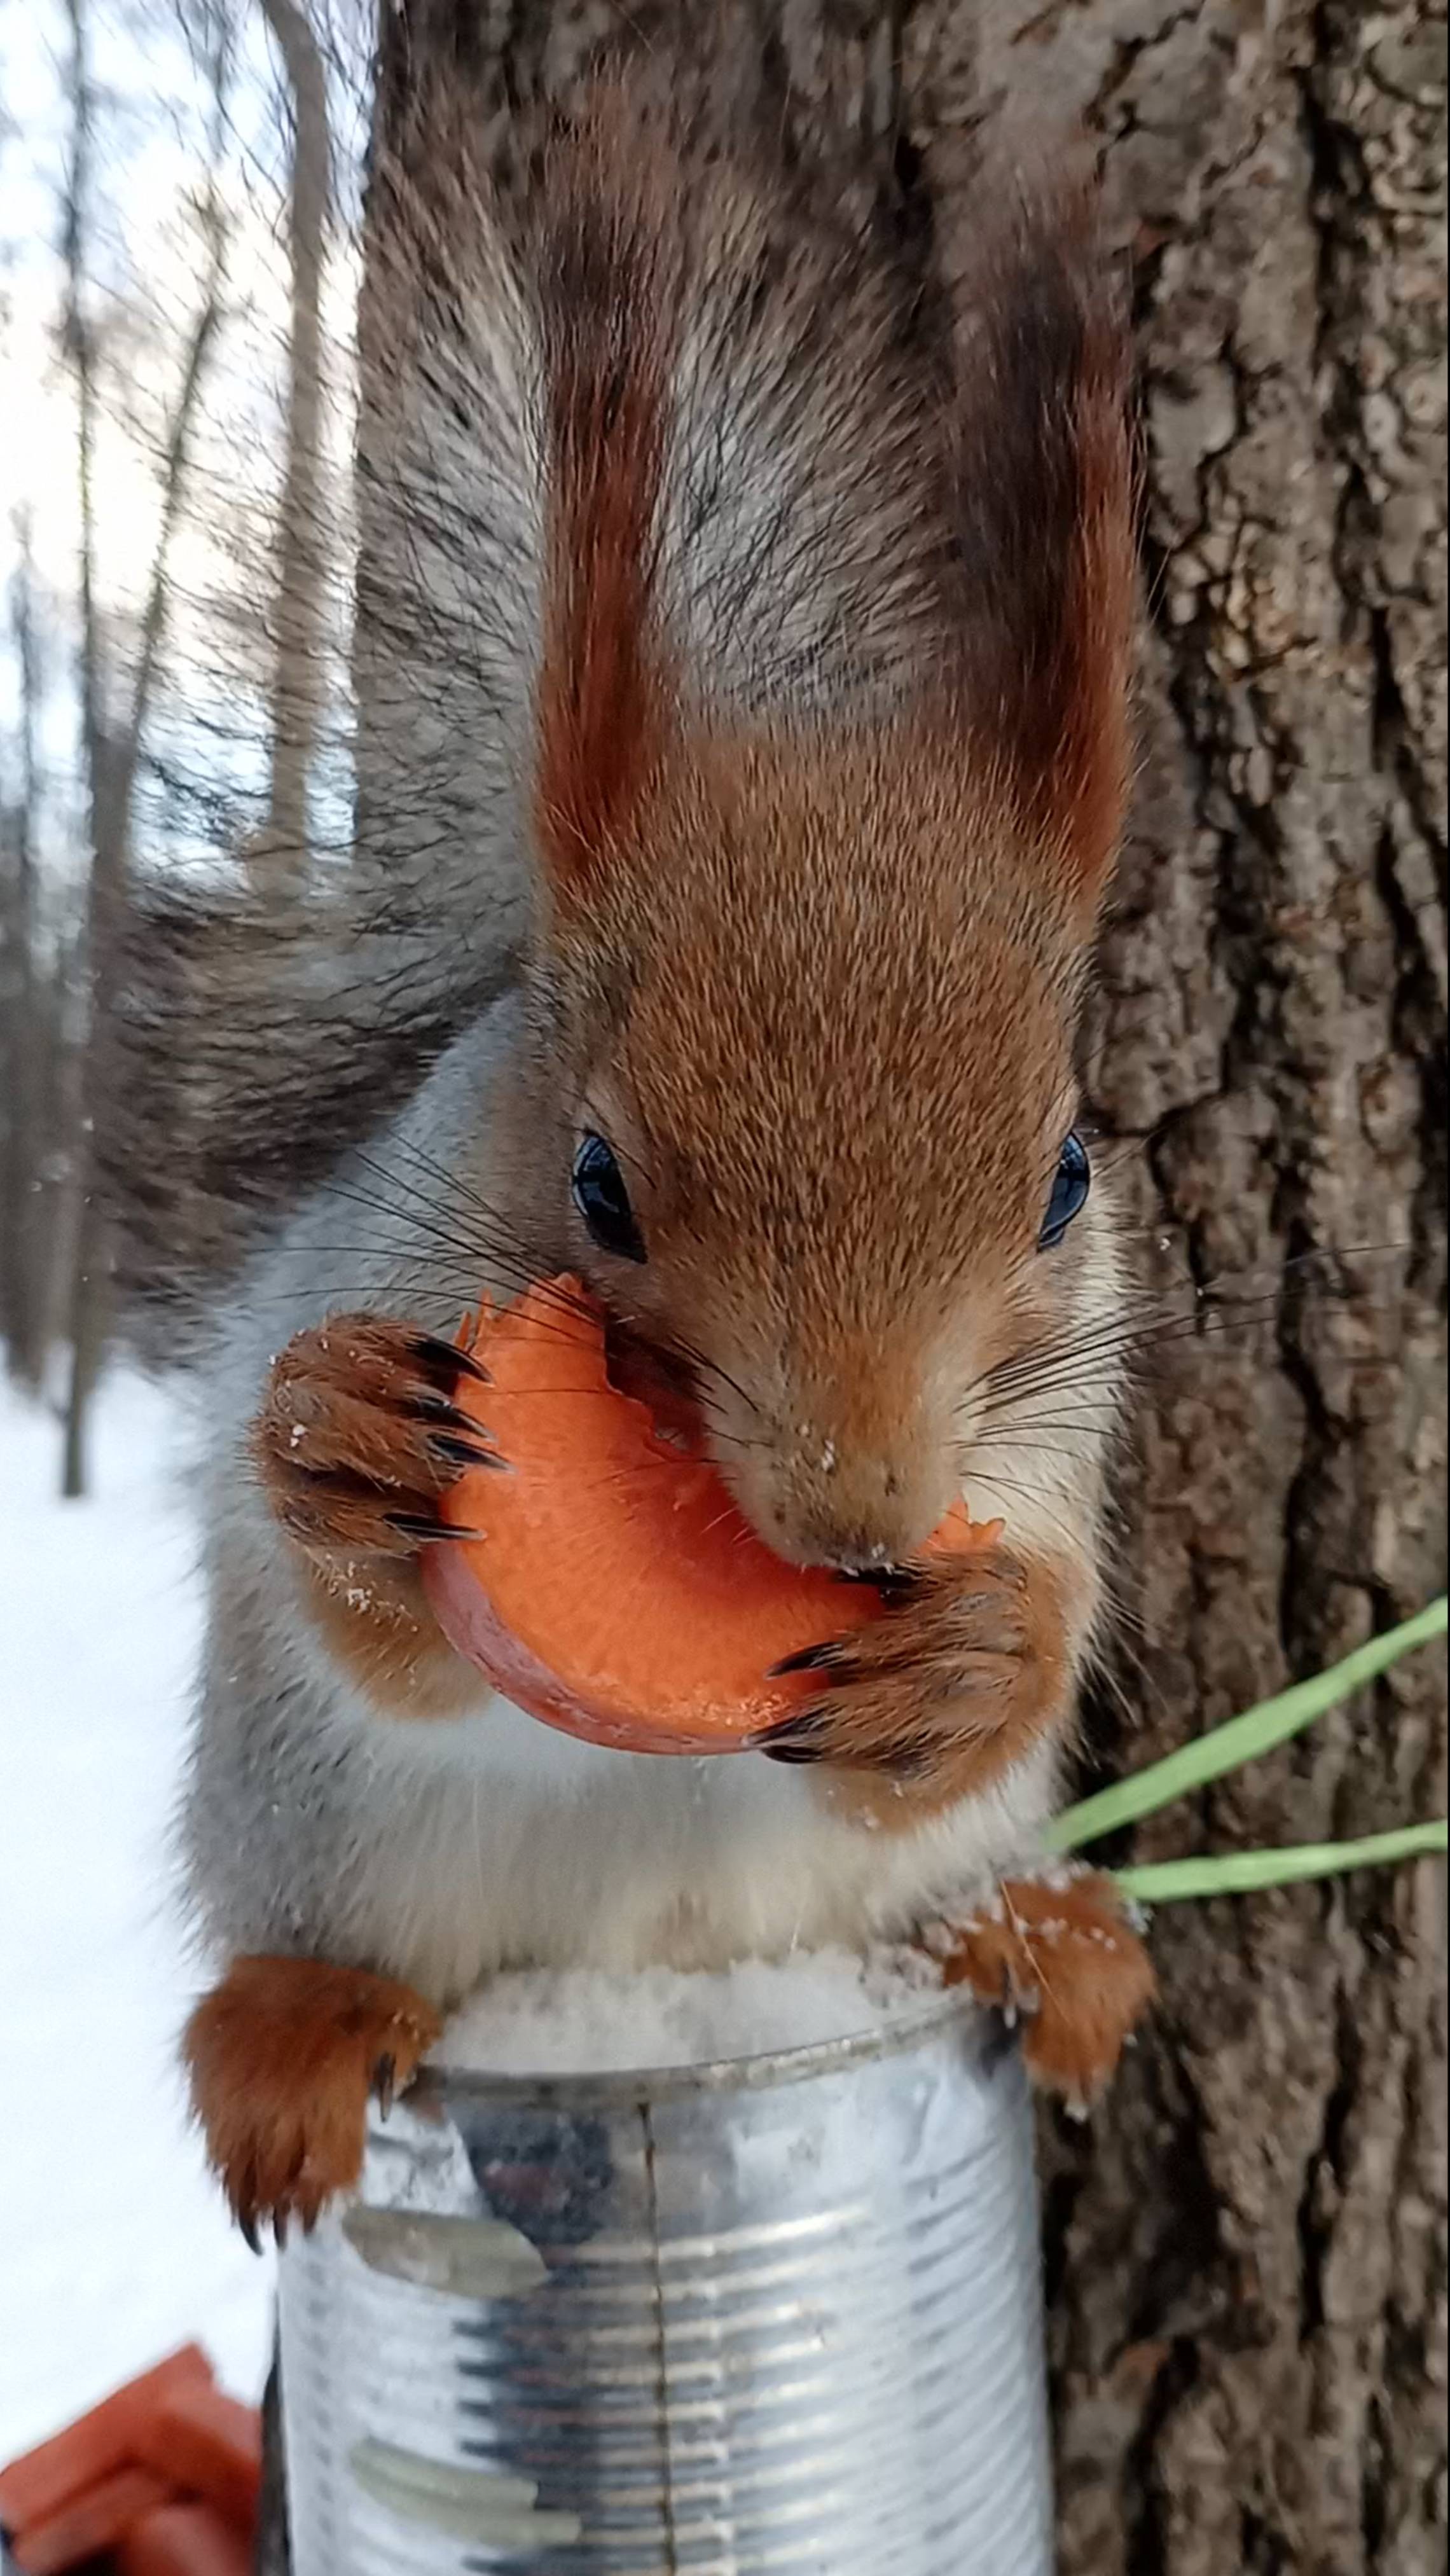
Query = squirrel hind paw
x=282 y=2058
x=1065 y=1958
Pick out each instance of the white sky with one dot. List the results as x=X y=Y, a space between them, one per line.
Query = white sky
x=152 y=114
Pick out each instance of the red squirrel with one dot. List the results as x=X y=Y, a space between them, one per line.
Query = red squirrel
x=773 y=664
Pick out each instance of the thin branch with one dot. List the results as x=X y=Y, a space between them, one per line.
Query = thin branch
x=173 y=483
x=24 y=1029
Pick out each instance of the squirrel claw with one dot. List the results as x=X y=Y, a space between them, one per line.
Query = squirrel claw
x=385 y=2077
x=805 y=1738
x=448 y=1360
x=798 y=1742
x=431 y=1532
x=434 y=1408
x=811 y=1659
x=455 y=1451
x=932 y=1701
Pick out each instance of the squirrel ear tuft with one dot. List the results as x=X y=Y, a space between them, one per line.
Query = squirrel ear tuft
x=1046 y=505
x=602 y=706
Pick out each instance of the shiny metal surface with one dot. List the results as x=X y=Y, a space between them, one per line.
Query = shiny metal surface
x=782 y=2316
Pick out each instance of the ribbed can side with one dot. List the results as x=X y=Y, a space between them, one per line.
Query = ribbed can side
x=788 y=2325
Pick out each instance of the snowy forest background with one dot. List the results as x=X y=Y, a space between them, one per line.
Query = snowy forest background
x=178 y=188
x=178 y=180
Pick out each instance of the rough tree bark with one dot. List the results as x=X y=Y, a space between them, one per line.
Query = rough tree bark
x=1247 y=2253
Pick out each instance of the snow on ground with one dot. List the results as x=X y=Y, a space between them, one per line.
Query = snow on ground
x=113 y=2242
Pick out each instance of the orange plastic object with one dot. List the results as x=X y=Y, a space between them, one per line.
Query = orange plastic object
x=616 y=1590
x=184 y=2540
x=37 y=2487
x=209 y=2444
x=93 y=2519
x=162 y=2479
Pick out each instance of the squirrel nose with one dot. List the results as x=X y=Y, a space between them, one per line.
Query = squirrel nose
x=857 y=1515
x=858 y=1554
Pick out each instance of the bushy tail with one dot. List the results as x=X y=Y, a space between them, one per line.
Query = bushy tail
x=264 y=1022
x=251 y=1042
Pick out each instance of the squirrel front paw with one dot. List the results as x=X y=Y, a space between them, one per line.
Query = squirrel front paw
x=968 y=1666
x=359 y=1436
x=282 y=2057
x=1060 y=1954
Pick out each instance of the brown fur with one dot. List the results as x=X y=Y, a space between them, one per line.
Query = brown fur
x=1067 y=1959
x=607 y=309
x=942 y=1696
x=811 y=967
x=282 y=2058
x=1046 y=485
x=377 y=1623
x=355 y=1435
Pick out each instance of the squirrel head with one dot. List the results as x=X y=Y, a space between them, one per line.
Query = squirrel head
x=806 y=992
x=817 y=1024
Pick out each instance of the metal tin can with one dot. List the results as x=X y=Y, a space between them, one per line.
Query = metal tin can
x=778 y=2315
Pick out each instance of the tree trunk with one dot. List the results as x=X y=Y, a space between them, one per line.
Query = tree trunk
x=111 y=764
x=1249 y=2256
x=23 y=1180
x=298 y=681
x=1247 y=2252
x=89 y=1284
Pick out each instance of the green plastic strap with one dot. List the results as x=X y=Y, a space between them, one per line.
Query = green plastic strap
x=1242 y=1738
x=1243 y=1873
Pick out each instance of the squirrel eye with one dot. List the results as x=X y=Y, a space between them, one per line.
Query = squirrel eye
x=603 y=1201
x=1069 y=1192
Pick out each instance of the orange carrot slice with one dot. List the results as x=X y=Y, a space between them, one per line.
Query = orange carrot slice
x=209 y=2444
x=92 y=2520
x=184 y=2540
x=615 y=1589
x=35 y=2488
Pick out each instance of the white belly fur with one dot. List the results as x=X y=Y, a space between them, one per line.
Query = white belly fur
x=502 y=1842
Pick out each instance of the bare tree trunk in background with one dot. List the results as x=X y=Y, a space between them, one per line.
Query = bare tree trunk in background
x=111 y=763
x=23 y=1304
x=1247 y=2252
x=87 y=1320
x=173 y=486
x=298 y=678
